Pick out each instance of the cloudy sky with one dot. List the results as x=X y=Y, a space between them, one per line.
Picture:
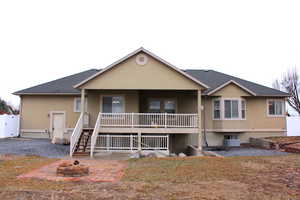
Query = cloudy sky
x=44 y=40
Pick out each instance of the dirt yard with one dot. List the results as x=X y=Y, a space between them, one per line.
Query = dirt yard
x=249 y=178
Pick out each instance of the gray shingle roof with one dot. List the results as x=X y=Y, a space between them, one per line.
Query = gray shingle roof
x=215 y=79
x=60 y=86
x=211 y=78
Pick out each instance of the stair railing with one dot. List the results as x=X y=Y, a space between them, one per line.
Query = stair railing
x=76 y=134
x=95 y=134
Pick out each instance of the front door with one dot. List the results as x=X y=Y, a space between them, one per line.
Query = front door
x=58 y=126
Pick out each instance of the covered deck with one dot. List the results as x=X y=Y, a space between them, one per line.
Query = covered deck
x=117 y=114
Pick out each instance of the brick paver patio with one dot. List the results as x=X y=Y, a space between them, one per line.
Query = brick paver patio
x=100 y=171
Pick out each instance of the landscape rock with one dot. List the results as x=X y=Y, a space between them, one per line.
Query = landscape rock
x=160 y=154
x=151 y=155
x=181 y=155
x=135 y=155
x=173 y=155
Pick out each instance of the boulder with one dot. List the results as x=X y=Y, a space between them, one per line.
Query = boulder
x=151 y=155
x=181 y=155
x=135 y=155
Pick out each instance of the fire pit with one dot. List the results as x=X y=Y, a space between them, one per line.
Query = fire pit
x=72 y=169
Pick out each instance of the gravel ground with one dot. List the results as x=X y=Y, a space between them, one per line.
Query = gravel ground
x=250 y=152
x=38 y=147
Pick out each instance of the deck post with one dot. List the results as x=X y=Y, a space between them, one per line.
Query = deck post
x=131 y=142
x=139 y=141
x=199 y=120
x=82 y=104
x=165 y=120
x=132 y=115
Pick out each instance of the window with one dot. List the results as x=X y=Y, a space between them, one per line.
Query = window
x=162 y=106
x=243 y=105
x=154 y=106
x=231 y=109
x=169 y=106
x=112 y=104
x=217 y=109
x=231 y=137
x=275 y=107
x=77 y=104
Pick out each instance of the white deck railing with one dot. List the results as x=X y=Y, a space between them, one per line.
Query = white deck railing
x=152 y=120
x=76 y=134
x=95 y=135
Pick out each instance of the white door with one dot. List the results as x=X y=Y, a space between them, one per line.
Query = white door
x=58 y=126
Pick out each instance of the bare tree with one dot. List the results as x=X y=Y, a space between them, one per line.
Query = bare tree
x=290 y=83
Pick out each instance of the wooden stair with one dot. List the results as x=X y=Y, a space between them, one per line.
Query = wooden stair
x=83 y=146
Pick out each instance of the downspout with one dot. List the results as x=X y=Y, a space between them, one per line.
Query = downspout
x=204 y=120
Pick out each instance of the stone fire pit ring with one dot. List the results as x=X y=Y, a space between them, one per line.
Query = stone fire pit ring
x=72 y=169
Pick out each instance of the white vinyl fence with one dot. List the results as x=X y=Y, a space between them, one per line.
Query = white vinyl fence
x=9 y=126
x=293 y=126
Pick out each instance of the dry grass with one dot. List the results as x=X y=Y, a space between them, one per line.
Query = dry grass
x=172 y=178
x=244 y=177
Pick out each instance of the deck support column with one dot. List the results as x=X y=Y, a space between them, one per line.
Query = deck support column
x=199 y=108
x=139 y=141
x=82 y=104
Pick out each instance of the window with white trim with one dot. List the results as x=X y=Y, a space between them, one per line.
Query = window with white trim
x=276 y=107
x=112 y=104
x=217 y=109
x=243 y=109
x=231 y=109
x=77 y=104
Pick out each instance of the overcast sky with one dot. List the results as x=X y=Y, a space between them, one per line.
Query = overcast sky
x=40 y=40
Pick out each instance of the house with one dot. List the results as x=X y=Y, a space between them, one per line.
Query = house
x=142 y=102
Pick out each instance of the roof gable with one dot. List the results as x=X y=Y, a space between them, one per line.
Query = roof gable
x=215 y=79
x=142 y=50
x=215 y=90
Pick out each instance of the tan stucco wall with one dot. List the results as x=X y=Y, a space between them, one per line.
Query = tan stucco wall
x=231 y=90
x=130 y=75
x=36 y=111
x=256 y=112
x=216 y=139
